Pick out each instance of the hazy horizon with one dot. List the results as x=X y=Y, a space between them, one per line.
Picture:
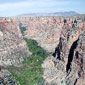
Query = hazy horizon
x=17 y=7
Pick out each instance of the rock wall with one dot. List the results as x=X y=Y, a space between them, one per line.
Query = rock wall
x=66 y=66
x=13 y=48
x=47 y=30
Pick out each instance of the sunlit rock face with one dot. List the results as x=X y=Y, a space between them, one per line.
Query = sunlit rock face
x=66 y=65
x=47 y=30
x=13 y=48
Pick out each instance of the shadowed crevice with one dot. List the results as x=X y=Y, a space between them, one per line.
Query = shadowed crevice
x=58 y=49
x=70 y=56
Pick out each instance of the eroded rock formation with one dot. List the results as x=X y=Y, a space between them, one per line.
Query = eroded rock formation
x=13 y=48
x=67 y=66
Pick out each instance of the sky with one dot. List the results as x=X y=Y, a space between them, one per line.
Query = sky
x=18 y=7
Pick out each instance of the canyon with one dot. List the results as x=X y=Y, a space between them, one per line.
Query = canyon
x=62 y=37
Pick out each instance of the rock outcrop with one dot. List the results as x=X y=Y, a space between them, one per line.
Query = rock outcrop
x=67 y=70
x=13 y=48
x=47 y=30
x=67 y=67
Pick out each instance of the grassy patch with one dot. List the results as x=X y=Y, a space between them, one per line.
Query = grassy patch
x=31 y=71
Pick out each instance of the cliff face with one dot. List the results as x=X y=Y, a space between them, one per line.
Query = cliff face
x=13 y=48
x=45 y=30
x=70 y=70
x=66 y=66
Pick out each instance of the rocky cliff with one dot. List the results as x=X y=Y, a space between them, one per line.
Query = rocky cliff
x=67 y=66
x=47 y=30
x=13 y=48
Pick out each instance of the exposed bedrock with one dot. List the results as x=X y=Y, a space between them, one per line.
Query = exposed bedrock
x=13 y=48
x=68 y=70
x=66 y=66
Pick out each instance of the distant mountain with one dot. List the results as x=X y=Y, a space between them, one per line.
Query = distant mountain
x=70 y=13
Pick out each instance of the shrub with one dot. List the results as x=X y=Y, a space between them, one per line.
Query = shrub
x=22 y=28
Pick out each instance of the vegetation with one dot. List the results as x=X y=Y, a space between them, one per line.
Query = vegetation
x=22 y=28
x=31 y=71
x=35 y=49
